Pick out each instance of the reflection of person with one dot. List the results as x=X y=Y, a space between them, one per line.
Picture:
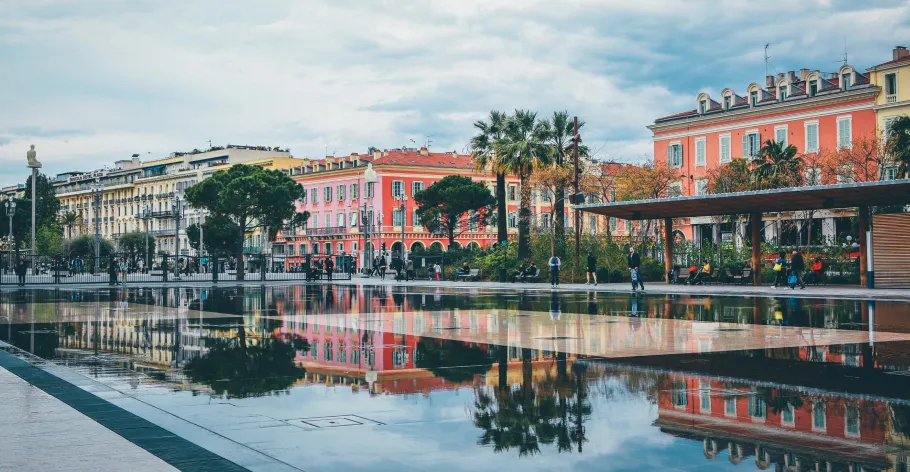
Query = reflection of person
x=592 y=269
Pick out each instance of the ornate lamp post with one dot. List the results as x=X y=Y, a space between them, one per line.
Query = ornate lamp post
x=147 y=215
x=369 y=178
x=10 y=212
x=178 y=212
x=96 y=199
x=34 y=165
x=402 y=207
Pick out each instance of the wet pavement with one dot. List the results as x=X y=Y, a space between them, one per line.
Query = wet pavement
x=360 y=377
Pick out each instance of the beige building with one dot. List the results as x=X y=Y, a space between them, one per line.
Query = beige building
x=894 y=100
x=135 y=195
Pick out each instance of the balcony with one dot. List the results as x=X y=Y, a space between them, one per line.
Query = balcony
x=330 y=231
x=163 y=214
x=891 y=98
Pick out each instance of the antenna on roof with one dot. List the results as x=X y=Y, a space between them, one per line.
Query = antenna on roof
x=210 y=144
x=845 y=51
x=767 y=58
x=428 y=142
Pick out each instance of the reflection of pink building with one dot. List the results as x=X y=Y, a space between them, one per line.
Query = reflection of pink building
x=338 y=199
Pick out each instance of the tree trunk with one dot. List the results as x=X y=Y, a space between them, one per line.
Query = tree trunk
x=559 y=210
x=502 y=219
x=239 y=253
x=524 y=220
x=451 y=231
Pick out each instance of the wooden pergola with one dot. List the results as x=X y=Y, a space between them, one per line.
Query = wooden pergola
x=823 y=197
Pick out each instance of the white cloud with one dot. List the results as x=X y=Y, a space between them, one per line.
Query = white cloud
x=148 y=76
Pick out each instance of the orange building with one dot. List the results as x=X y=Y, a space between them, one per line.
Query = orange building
x=812 y=110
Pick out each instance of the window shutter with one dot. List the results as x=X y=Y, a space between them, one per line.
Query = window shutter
x=670 y=157
x=745 y=145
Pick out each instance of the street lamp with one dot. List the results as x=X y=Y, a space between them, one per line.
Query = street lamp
x=10 y=211
x=369 y=178
x=178 y=212
x=147 y=215
x=402 y=207
x=96 y=198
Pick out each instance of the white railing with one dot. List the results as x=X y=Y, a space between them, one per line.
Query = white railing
x=891 y=98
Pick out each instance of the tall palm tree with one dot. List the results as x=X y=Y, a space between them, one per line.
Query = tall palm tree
x=561 y=139
x=522 y=150
x=777 y=166
x=483 y=150
x=70 y=219
x=898 y=145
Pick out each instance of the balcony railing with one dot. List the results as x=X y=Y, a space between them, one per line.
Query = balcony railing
x=891 y=98
x=330 y=231
x=163 y=214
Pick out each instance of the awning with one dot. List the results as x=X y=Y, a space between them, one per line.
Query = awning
x=888 y=192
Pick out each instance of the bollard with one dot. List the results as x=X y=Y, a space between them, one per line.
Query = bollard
x=214 y=269
x=164 y=267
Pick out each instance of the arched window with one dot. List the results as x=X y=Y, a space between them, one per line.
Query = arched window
x=754 y=94
x=704 y=103
x=847 y=76
x=513 y=220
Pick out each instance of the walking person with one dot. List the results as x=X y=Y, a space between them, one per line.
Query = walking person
x=124 y=268
x=437 y=269
x=634 y=261
x=112 y=272
x=797 y=266
x=555 y=264
x=329 y=268
x=592 y=269
x=21 y=269
x=383 y=265
x=408 y=270
x=780 y=270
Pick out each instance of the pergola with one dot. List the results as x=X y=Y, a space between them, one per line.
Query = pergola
x=823 y=197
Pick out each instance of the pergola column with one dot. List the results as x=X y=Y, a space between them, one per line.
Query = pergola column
x=756 y=249
x=668 y=247
x=863 y=217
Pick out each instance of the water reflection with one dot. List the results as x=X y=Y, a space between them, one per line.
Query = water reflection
x=806 y=407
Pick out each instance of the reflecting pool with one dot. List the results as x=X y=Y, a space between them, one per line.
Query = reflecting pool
x=325 y=377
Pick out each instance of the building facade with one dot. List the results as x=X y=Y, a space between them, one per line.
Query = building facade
x=812 y=110
x=894 y=79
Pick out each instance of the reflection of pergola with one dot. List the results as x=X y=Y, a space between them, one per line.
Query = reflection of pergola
x=860 y=196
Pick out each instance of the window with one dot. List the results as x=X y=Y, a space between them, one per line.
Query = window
x=397 y=188
x=315 y=248
x=701 y=187
x=674 y=155
x=371 y=187
x=730 y=406
x=612 y=224
x=811 y=136
x=813 y=176
x=417 y=187
x=702 y=106
x=675 y=189
x=513 y=220
x=813 y=88
x=751 y=144
x=889 y=173
x=340 y=191
x=355 y=246
x=327 y=194
x=291 y=249
x=339 y=220
x=727 y=102
x=786 y=415
x=592 y=223
x=724 y=146
x=852 y=420
x=845 y=132
x=680 y=396
x=328 y=248
x=314 y=198
x=704 y=397
x=545 y=221
x=782 y=92
x=848 y=80
x=756 y=406
x=415 y=220
x=355 y=191
x=353 y=219
x=512 y=192
x=753 y=97
x=891 y=88
x=700 y=152
x=780 y=134
x=315 y=219
x=328 y=220
x=818 y=415
x=396 y=217
x=327 y=352
x=339 y=247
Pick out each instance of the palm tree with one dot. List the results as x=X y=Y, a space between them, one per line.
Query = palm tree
x=483 y=151
x=898 y=145
x=561 y=139
x=522 y=150
x=70 y=219
x=777 y=166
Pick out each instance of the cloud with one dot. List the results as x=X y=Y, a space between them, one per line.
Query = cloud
x=99 y=80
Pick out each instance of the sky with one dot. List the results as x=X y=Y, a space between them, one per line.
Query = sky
x=92 y=81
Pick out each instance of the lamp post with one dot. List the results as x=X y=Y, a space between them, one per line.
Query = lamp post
x=146 y=215
x=178 y=210
x=10 y=211
x=96 y=199
x=369 y=178
x=402 y=207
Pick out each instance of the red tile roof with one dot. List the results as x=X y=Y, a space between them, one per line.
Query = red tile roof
x=678 y=115
x=433 y=159
x=896 y=61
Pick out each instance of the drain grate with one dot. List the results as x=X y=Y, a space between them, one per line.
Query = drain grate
x=556 y=338
x=325 y=422
x=732 y=329
x=449 y=327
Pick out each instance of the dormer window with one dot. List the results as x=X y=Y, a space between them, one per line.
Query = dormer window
x=753 y=97
x=847 y=80
x=727 y=102
x=782 y=92
x=813 y=88
x=702 y=106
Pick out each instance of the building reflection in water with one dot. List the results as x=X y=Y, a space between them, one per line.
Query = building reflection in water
x=785 y=409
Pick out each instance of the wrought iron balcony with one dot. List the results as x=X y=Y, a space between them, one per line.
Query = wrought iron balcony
x=163 y=214
x=330 y=231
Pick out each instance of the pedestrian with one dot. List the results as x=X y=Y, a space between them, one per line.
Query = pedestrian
x=592 y=269
x=112 y=272
x=797 y=266
x=375 y=269
x=408 y=269
x=383 y=265
x=634 y=261
x=780 y=270
x=555 y=264
x=124 y=268
x=437 y=269
x=21 y=268
x=329 y=268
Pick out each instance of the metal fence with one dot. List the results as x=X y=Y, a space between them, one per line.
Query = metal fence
x=122 y=268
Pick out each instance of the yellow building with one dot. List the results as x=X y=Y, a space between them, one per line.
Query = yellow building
x=894 y=79
x=139 y=196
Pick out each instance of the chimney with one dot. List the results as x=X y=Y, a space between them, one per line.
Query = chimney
x=424 y=151
x=377 y=154
x=769 y=81
x=791 y=77
x=900 y=52
x=803 y=74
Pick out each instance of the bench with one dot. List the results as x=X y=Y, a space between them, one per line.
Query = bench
x=530 y=277
x=472 y=274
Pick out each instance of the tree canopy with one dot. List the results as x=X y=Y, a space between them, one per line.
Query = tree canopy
x=45 y=211
x=442 y=206
x=220 y=235
x=251 y=197
x=897 y=144
x=133 y=245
